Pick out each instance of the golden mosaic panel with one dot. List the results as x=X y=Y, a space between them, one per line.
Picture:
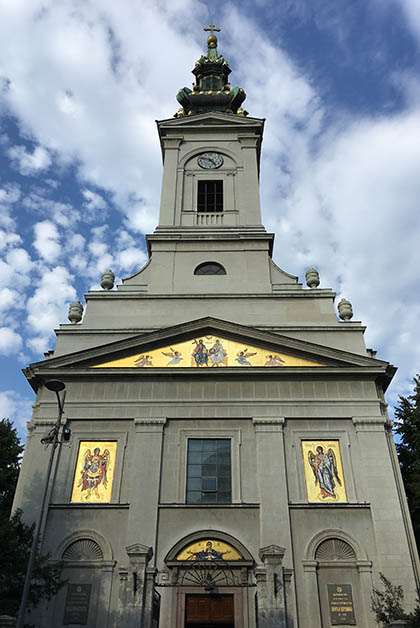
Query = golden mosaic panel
x=208 y=352
x=209 y=549
x=323 y=471
x=94 y=472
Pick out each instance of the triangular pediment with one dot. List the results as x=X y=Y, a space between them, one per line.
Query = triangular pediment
x=224 y=345
x=209 y=350
x=211 y=118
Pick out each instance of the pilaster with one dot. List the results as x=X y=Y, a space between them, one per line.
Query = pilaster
x=146 y=455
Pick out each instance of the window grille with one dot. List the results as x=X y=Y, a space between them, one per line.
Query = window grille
x=210 y=196
x=209 y=471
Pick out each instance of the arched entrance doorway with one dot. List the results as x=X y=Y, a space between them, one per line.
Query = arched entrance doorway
x=211 y=573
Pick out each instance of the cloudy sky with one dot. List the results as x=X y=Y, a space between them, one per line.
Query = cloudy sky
x=81 y=84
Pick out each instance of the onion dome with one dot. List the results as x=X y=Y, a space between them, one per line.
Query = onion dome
x=211 y=91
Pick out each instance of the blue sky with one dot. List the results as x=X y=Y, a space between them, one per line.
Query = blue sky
x=81 y=85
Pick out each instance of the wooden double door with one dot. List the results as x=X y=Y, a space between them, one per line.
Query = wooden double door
x=209 y=611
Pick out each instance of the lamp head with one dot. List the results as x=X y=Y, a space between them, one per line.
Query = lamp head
x=55 y=385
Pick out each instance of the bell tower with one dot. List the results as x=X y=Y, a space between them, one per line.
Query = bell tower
x=210 y=204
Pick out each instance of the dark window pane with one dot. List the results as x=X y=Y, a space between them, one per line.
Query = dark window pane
x=193 y=497
x=194 y=484
x=224 y=484
x=210 y=196
x=194 y=470
x=209 y=469
x=209 y=484
x=210 y=457
x=194 y=457
x=210 y=268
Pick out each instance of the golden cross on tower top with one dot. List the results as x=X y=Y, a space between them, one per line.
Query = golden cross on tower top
x=212 y=28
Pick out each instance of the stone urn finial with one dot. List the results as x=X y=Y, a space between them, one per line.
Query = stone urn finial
x=345 y=310
x=75 y=312
x=108 y=279
x=312 y=278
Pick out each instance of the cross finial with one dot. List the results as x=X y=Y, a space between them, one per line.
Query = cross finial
x=212 y=28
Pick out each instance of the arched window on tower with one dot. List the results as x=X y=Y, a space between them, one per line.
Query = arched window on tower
x=210 y=268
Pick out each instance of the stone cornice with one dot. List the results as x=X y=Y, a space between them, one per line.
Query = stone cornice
x=371 y=423
x=268 y=424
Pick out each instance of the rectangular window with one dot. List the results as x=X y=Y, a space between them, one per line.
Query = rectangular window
x=209 y=471
x=210 y=196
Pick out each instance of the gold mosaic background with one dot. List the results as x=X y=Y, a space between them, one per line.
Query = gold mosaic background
x=314 y=489
x=193 y=551
x=220 y=352
x=87 y=462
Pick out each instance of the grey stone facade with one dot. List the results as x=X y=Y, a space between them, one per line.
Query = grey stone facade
x=282 y=577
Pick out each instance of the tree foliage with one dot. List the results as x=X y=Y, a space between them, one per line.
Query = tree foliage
x=387 y=605
x=407 y=414
x=10 y=454
x=16 y=537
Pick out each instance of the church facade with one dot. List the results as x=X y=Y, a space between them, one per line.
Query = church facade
x=231 y=460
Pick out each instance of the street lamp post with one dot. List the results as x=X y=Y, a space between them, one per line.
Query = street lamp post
x=51 y=439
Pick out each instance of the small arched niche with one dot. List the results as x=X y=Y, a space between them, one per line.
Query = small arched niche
x=341 y=590
x=209 y=268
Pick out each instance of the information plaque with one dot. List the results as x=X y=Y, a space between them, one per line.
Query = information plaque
x=340 y=602
x=77 y=604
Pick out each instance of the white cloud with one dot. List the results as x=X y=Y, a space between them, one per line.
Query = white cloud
x=29 y=163
x=93 y=200
x=9 y=299
x=10 y=341
x=17 y=408
x=8 y=239
x=49 y=306
x=47 y=240
x=130 y=258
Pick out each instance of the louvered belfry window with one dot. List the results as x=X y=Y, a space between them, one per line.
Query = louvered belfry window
x=210 y=196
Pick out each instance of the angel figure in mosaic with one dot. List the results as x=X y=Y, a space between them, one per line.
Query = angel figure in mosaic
x=242 y=357
x=324 y=466
x=94 y=470
x=274 y=360
x=176 y=357
x=143 y=360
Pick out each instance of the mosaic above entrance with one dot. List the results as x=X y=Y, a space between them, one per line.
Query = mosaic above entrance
x=207 y=352
x=209 y=549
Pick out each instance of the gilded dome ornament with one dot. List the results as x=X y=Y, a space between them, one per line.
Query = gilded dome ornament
x=211 y=90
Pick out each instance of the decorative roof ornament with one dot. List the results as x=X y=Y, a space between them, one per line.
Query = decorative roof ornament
x=211 y=91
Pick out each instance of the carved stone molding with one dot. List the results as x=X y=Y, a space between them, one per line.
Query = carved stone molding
x=268 y=424
x=370 y=424
x=150 y=425
x=272 y=554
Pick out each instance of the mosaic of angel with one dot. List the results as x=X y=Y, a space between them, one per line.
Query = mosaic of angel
x=176 y=357
x=242 y=357
x=94 y=470
x=274 y=360
x=324 y=466
x=143 y=360
x=208 y=553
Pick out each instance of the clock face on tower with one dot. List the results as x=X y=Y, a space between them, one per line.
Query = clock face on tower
x=210 y=160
